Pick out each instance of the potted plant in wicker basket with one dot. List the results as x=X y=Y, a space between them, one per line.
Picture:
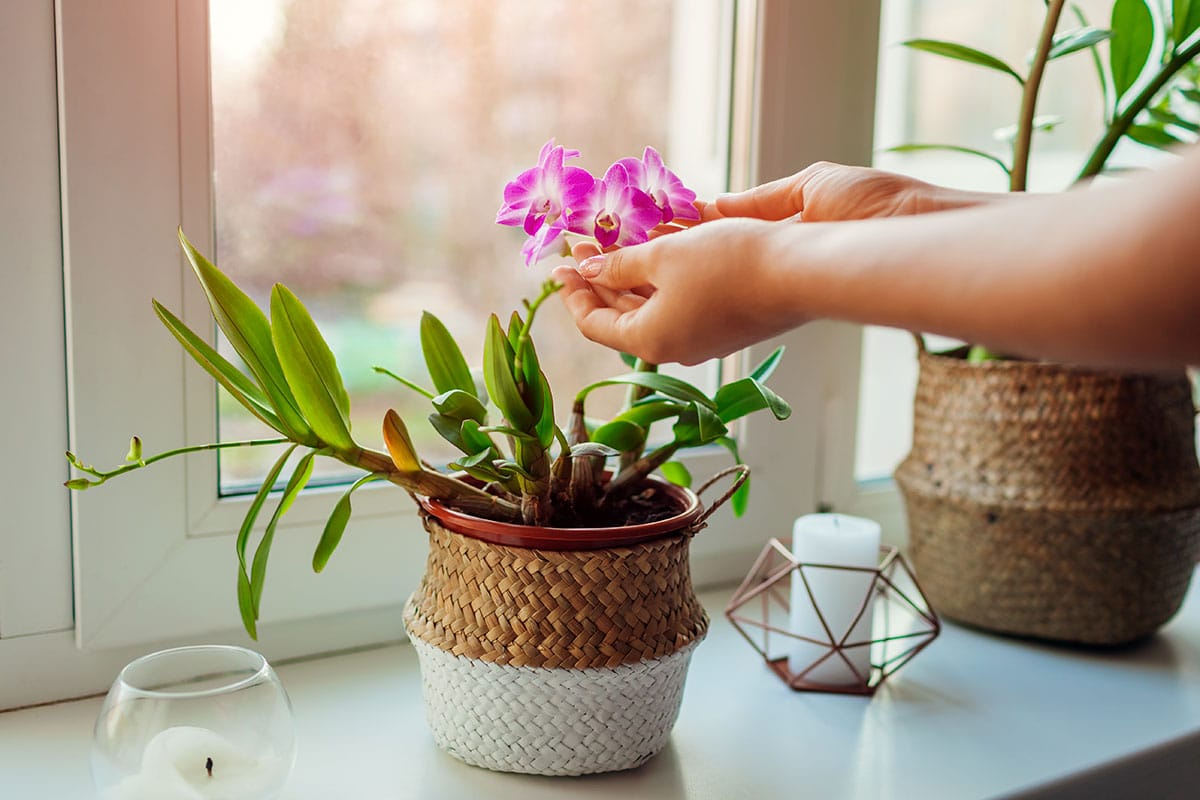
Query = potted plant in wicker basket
x=556 y=616
x=1043 y=499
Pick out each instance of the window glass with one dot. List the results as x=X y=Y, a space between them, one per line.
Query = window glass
x=360 y=148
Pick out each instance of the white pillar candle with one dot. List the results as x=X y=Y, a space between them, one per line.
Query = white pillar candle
x=844 y=541
x=176 y=766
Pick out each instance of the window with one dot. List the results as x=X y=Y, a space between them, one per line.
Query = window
x=150 y=550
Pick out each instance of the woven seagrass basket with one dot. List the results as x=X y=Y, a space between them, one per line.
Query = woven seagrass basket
x=556 y=651
x=1050 y=501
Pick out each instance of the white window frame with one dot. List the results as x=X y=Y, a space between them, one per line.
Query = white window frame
x=153 y=559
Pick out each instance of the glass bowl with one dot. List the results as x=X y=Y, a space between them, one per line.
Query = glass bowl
x=207 y=722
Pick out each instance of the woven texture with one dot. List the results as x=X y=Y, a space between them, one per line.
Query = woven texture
x=551 y=721
x=541 y=608
x=1052 y=502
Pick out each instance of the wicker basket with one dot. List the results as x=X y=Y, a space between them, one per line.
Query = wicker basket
x=556 y=661
x=1050 y=501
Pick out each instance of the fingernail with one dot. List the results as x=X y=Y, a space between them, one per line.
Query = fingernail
x=590 y=267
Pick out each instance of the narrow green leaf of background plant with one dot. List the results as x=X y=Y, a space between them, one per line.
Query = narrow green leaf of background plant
x=421 y=390
x=953 y=148
x=258 y=568
x=1165 y=117
x=1132 y=39
x=335 y=526
x=247 y=329
x=1185 y=19
x=497 y=371
x=245 y=596
x=766 y=368
x=961 y=52
x=621 y=435
x=663 y=384
x=447 y=367
x=1097 y=62
x=1152 y=136
x=676 y=473
x=399 y=444
x=232 y=379
x=745 y=396
x=1079 y=39
x=310 y=369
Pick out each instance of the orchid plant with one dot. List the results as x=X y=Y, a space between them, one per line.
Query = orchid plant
x=517 y=463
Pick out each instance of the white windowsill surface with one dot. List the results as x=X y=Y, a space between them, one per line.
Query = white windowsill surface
x=973 y=716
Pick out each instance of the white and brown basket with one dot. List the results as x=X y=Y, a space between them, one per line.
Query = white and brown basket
x=556 y=651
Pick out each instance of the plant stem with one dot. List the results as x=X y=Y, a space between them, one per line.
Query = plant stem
x=1121 y=122
x=1033 y=83
x=635 y=393
x=145 y=462
x=630 y=476
x=435 y=485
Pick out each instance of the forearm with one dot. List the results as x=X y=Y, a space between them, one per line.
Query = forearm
x=1107 y=276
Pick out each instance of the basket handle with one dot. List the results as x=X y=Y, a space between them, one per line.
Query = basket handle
x=920 y=339
x=743 y=475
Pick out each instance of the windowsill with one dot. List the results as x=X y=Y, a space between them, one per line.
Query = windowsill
x=972 y=716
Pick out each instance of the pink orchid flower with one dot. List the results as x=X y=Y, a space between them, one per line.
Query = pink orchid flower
x=649 y=174
x=536 y=197
x=615 y=211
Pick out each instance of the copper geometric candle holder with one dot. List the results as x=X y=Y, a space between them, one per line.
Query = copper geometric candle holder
x=902 y=623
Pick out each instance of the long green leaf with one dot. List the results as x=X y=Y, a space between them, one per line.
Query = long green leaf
x=421 y=390
x=460 y=405
x=336 y=524
x=311 y=369
x=697 y=426
x=745 y=396
x=676 y=473
x=247 y=329
x=544 y=427
x=961 y=52
x=1132 y=39
x=645 y=412
x=230 y=377
x=399 y=444
x=663 y=384
x=1165 y=117
x=1097 y=62
x=1185 y=19
x=497 y=371
x=952 y=148
x=621 y=435
x=1079 y=39
x=473 y=438
x=245 y=596
x=767 y=368
x=258 y=569
x=447 y=367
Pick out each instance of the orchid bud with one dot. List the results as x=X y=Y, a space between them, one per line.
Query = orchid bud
x=79 y=484
x=135 y=450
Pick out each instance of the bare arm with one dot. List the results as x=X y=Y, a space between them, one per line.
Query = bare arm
x=1106 y=276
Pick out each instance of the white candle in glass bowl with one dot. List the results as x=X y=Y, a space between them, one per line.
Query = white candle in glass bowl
x=175 y=766
x=834 y=539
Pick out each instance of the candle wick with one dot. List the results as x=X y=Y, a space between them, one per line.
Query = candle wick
x=208 y=765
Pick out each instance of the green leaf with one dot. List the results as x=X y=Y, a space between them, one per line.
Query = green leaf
x=676 y=473
x=646 y=412
x=1152 y=136
x=399 y=444
x=1042 y=122
x=1079 y=39
x=232 y=379
x=545 y=424
x=961 y=52
x=630 y=361
x=979 y=354
x=1192 y=95
x=335 y=526
x=594 y=449
x=697 y=426
x=1132 y=39
x=663 y=384
x=497 y=370
x=1097 y=63
x=405 y=381
x=460 y=405
x=245 y=595
x=1185 y=19
x=1169 y=118
x=767 y=368
x=736 y=400
x=952 y=148
x=247 y=329
x=621 y=435
x=474 y=438
x=311 y=369
x=447 y=367
x=515 y=324
x=258 y=569
x=741 y=498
